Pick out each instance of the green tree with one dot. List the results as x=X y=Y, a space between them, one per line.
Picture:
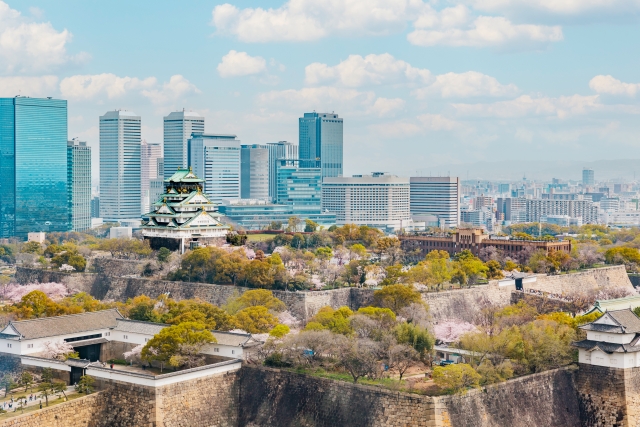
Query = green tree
x=61 y=387
x=163 y=255
x=169 y=341
x=32 y=248
x=45 y=390
x=456 y=378
x=396 y=297
x=47 y=375
x=26 y=379
x=8 y=384
x=143 y=308
x=256 y=320
x=494 y=270
x=415 y=336
x=622 y=255
x=310 y=226
x=324 y=253
x=293 y=224
x=260 y=297
x=279 y=331
x=85 y=385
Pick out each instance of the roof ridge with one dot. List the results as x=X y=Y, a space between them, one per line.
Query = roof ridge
x=65 y=315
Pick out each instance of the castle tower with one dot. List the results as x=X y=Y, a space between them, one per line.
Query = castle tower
x=608 y=379
x=183 y=214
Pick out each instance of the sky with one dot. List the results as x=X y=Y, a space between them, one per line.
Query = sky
x=423 y=86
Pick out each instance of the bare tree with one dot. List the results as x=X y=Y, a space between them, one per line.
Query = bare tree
x=402 y=357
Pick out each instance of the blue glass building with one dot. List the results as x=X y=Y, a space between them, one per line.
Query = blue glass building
x=300 y=185
x=33 y=166
x=321 y=138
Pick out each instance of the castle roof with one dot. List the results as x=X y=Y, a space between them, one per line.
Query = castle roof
x=615 y=322
x=608 y=347
x=62 y=325
x=184 y=175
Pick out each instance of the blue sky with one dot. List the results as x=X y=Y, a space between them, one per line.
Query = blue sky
x=422 y=85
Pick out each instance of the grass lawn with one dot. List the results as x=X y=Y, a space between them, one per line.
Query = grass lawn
x=53 y=400
x=259 y=237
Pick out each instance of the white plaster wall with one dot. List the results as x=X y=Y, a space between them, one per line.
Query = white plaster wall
x=224 y=350
x=609 y=337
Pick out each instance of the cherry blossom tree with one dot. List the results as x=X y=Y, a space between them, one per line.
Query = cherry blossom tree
x=66 y=267
x=57 y=350
x=134 y=353
x=286 y=318
x=451 y=330
x=55 y=291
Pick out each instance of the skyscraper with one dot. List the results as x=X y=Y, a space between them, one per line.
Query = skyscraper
x=300 y=185
x=321 y=139
x=588 y=177
x=216 y=159
x=120 y=165
x=278 y=150
x=178 y=127
x=33 y=166
x=149 y=156
x=438 y=196
x=254 y=172
x=79 y=184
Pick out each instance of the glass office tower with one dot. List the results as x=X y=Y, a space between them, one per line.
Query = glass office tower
x=321 y=139
x=254 y=171
x=79 y=184
x=33 y=166
x=300 y=185
x=120 y=166
x=178 y=127
x=278 y=150
x=216 y=159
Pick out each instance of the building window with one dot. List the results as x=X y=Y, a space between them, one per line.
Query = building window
x=126 y=337
x=107 y=334
x=146 y=340
x=29 y=345
x=233 y=352
x=85 y=337
x=216 y=350
x=9 y=345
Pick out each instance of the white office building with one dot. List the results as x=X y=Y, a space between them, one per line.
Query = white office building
x=216 y=159
x=254 y=171
x=178 y=127
x=120 y=165
x=150 y=154
x=377 y=200
x=439 y=196
x=278 y=150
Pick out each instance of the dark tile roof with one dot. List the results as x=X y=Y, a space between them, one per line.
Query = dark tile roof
x=139 y=327
x=607 y=347
x=66 y=325
x=626 y=322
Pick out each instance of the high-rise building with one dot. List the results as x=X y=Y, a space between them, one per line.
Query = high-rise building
x=374 y=200
x=278 y=150
x=178 y=127
x=216 y=159
x=149 y=156
x=439 y=196
x=79 y=184
x=254 y=172
x=95 y=207
x=160 y=167
x=588 y=177
x=300 y=185
x=321 y=139
x=33 y=166
x=120 y=166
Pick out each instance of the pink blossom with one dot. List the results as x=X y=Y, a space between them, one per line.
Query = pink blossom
x=55 y=291
x=56 y=350
x=134 y=353
x=451 y=330
x=286 y=318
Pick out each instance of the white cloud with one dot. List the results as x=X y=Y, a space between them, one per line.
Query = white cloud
x=372 y=69
x=560 y=7
x=176 y=88
x=612 y=86
x=30 y=47
x=304 y=20
x=328 y=98
x=457 y=27
x=526 y=105
x=241 y=64
x=83 y=87
x=28 y=86
x=463 y=85
x=437 y=122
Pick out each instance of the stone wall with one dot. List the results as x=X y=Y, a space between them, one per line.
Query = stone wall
x=542 y=303
x=601 y=396
x=204 y=402
x=547 y=399
x=614 y=276
x=463 y=304
x=273 y=398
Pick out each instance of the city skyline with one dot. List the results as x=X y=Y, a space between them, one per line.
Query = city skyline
x=424 y=88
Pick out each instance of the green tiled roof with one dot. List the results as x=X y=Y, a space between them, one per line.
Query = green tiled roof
x=184 y=175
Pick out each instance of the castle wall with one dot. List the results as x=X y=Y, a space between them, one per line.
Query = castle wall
x=615 y=276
